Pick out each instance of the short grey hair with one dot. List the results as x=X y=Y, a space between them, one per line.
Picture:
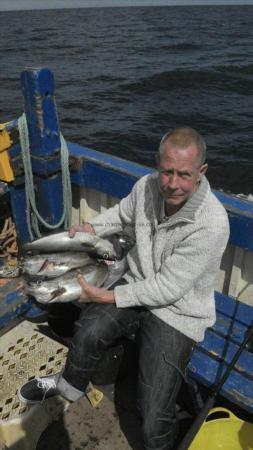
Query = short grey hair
x=184 y=137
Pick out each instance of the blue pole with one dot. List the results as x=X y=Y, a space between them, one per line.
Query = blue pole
x=44 y=136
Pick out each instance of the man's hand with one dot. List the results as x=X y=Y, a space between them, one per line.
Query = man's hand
x=92 y=293
x=86 y=227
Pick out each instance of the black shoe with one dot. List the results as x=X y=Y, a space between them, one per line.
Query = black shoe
x=38 y=389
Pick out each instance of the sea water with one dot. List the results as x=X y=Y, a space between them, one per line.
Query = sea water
x=124 y=76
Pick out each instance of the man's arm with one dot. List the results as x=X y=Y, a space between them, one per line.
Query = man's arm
x=91 y=293
x=112 y=220
x=177 y=276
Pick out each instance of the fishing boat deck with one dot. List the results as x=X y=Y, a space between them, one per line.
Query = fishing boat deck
x=83 y=426
x=31 y=349
x=28 y=350
x=113 y=424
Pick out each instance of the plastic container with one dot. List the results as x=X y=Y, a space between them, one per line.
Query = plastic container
x=26 y=353
x=222 y=430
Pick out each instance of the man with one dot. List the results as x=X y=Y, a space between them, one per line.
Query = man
x=181 y=232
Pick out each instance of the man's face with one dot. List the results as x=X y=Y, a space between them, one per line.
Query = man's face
x=179 y=175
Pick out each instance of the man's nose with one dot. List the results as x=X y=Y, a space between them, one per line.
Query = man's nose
x=173 y=181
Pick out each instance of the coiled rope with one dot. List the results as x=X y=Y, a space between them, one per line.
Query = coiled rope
x=8 y=250
x=8 y=243
x=32 y=214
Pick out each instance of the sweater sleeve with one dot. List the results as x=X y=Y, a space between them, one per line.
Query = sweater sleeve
x=114 y=219
x=196 y=254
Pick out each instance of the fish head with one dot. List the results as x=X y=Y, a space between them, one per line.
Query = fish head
x=106 y=251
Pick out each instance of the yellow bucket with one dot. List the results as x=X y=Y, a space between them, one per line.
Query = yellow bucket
x=222 y=430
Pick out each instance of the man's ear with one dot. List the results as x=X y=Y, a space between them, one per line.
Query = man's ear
x=202 y=170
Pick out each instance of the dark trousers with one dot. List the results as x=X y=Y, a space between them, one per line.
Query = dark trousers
x=164 y=354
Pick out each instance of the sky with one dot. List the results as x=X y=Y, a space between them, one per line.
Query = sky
x=7 y=5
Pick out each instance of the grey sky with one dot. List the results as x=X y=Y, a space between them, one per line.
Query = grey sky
x=6 y=5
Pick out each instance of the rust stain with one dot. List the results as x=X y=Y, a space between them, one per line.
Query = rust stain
x=75 y=162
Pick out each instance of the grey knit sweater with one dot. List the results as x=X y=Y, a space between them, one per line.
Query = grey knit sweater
x=174 y=264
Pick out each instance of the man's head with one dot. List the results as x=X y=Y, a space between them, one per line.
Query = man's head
x=181 y=165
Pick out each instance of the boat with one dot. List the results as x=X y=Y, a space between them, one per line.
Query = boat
x=98 y=181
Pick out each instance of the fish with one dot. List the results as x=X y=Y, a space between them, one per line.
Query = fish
x=82 y=241
x=52 y=265
x=66 y=288
x=116 y=270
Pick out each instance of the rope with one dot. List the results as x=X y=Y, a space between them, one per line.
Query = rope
x=8 y=243
x=32 y=214
x=8 y=251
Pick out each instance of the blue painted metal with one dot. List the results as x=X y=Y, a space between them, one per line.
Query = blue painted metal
x=49 y=197
x=38 y=90
x=241 y=230
x=212 y=356
x=44 y=137
x=112 y=162
x=238 y=388
x=18 y=206
x=20 y=309
x=226 y=326
x=236 y=204
x=223 y=351
x=35 y=311
x=240 y=214
x=229 y=306
x=41 y=166
x=106 y=180
x=14 y=303
x=104 y=173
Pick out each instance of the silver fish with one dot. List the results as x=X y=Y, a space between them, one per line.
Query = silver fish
x=66 y=288
x=52 y=265
x=82 y=241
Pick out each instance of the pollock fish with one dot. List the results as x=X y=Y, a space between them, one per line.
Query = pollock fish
x=66 y=288
x=52 y=265
x=82 y=241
